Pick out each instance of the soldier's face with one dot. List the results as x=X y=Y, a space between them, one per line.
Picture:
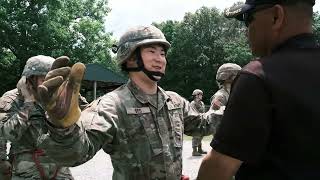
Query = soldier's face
x=40 y=80
x=33 y=82
x=154 y=58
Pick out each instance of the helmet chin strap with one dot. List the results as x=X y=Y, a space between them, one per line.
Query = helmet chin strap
x=153 y=75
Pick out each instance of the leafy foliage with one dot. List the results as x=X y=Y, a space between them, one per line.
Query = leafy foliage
x=52 y=27
x=316 y=24
x=200 y=44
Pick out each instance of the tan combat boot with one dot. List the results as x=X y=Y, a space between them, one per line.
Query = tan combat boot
x=195 y=152
x=200 y=150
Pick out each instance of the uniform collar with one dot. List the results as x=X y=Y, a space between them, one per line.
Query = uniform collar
x=301 y=41
x=142 y=97
x=163 y=97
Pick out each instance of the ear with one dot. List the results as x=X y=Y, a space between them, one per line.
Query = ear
x=131 y=59
x=131 y=62
x=31 y=80
x=278 y=17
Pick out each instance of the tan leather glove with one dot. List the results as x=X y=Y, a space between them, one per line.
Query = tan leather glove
x=59 y=92
x=5 y=170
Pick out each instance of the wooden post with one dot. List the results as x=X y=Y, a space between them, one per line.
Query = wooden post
x=94 y=90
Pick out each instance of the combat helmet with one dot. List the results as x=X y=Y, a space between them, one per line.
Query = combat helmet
x=37 y=65
x=226 y=71
x=136 y=37
x=196 y=92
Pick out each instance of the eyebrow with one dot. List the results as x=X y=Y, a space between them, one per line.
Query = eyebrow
x=154 y=47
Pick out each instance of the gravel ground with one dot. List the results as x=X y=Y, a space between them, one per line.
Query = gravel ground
x=100 y=168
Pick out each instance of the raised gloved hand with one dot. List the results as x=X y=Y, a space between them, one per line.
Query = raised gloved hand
x=25 y=90
x=5 y=170
x=59 y=92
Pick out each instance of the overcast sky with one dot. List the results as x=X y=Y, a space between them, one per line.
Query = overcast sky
x=128 y=13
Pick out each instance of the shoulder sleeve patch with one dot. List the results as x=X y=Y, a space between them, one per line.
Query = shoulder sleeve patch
x=176 y=101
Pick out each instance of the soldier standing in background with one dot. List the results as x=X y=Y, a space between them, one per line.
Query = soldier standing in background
x=199 y=106
x=224 y=77
x=22 y=122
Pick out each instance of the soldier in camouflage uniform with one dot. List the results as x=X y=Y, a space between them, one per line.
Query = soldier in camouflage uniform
x=139 y=125
x=198 y=105
x=22 y=122
x=224 y=77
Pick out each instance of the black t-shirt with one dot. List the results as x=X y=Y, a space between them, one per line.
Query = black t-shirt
x=272 y=119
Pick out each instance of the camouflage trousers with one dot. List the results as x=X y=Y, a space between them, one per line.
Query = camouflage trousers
x=196 y=141
x=33 y=165
x=23 y=178
x=14 y=177
x=32 y=173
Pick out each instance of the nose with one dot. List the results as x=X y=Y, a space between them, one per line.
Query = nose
x=159 y=57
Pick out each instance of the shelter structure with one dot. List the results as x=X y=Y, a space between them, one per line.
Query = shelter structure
x=99 y=80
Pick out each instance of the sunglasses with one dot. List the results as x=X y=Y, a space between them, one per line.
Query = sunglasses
x=248 y=16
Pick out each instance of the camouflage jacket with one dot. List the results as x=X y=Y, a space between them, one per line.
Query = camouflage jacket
x=221 y=96
x=144 y=139
x=199 y=106
x=23 y=124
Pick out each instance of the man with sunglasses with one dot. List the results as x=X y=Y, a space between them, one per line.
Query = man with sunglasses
x=271 y=123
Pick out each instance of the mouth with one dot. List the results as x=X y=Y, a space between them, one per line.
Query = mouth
x=157 y=68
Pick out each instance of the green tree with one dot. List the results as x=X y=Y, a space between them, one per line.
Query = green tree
x=202 y=42
x=51 y=27
x=168 y=28
x=316 y=24
x=9 y=66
